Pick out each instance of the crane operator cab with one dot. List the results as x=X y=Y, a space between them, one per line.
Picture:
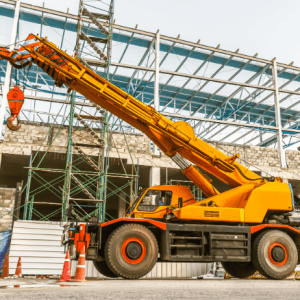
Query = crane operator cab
x=154 y=202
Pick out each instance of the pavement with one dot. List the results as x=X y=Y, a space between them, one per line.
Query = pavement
x=107 y=289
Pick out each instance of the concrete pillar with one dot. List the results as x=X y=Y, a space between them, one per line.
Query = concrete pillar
x=121 y=205
x=0 y=160
x=154 y=176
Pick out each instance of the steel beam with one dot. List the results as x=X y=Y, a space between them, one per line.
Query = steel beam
x=278 y=115
x=150 y=34
x=240 y=84
x=274 y=128
x=156 y=84
x=9 y=66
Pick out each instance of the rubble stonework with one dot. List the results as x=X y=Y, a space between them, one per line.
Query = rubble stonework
x=7 y=204
x=39 y=136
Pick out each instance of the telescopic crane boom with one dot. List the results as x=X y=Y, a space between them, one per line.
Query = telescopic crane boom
x=176 y=139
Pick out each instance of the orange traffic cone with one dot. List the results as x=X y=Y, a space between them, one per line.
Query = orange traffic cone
x=19 y=269
x=80 y=269
x=5 y=270
x=66 y=273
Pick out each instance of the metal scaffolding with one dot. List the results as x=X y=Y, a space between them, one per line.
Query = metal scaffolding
x=84 y=182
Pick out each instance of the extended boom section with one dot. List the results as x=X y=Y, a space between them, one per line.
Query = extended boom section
x=248 y=228
x=176 y=139
x=171 y=137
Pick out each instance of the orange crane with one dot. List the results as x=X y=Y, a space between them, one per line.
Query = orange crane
x=248 y=228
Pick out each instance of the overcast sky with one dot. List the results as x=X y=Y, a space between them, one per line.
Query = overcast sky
x=269 y=27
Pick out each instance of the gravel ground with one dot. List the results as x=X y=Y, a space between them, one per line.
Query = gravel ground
x=151 y=289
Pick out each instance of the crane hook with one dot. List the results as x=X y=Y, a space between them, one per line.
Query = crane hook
x=15 y=98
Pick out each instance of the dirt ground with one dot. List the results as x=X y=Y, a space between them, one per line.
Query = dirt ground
x=150 y=289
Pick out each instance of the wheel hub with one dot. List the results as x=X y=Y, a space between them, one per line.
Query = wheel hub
x=133 y=250
x=278 y=254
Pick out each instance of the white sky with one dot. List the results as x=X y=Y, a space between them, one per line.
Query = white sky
x=266 y=27
x=269 y=27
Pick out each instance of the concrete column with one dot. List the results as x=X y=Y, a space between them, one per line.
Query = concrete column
x=0 y=160
x=154 y=176
x=121 y=205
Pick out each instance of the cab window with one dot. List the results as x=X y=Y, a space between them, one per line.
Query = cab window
x=155 y=198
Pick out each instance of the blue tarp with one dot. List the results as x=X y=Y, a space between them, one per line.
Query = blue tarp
x=4 y=241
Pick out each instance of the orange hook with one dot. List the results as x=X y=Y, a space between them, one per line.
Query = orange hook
x=15 y=98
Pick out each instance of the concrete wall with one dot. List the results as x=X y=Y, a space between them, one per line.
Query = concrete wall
x=33 y=135
x=7 y=204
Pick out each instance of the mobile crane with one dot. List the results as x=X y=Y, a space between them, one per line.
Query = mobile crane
x=248 y=228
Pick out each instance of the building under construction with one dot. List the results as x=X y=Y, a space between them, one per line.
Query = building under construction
x=68 y=150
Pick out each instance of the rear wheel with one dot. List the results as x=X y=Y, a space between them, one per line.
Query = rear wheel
x=131 y=251
x=102 y=268
x=239 y=269
x=274 y=254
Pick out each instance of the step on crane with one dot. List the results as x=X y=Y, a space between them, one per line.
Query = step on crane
x=252 y=227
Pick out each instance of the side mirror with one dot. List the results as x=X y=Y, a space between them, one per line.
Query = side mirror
x=180 y=202
x=68 y=211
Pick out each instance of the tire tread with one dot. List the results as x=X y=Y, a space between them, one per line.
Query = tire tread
x=110 y=261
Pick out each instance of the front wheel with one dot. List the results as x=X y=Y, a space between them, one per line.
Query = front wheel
x=239 y=269
x=274 y=254
x=131 y=251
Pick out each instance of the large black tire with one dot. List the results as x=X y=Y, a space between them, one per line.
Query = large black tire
x=102 y=268
x=131 y=251
x=239 y=269
x=274 y=254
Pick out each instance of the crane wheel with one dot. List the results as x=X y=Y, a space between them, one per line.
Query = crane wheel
x=102 y=268
x=131 y=251
x=239 y=269
x=274 y=254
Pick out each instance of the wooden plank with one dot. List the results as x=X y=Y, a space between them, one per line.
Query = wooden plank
x=38 y=231
x=36 y=242
x=164 y=270
x=179 y=270
x=158 y=270
x=24 y=259
x=40 y=266
x=26 y=236
x=38 y=225
x=183 y=270
x=169 y=270
x=36 y=248
x=174 y=269
x=37 y=272
x=37 y=254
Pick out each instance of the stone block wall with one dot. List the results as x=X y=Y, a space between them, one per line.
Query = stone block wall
x=293 y=159
x=37 y=134
x=7 y=204
x=33 y=135
x=251 y=155
x=136 y=143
